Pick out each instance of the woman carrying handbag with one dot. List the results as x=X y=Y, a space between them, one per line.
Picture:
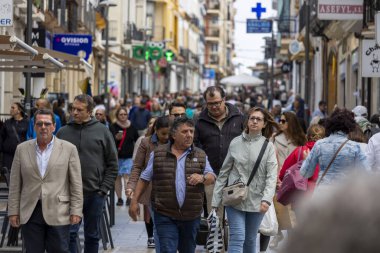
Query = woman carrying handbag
x=250 y=156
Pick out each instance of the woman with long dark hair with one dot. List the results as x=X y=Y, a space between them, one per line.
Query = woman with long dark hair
x=13 y=133
x=159 y=136
x=285 y=141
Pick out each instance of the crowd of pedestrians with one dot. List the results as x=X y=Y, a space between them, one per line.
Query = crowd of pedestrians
x=174 y=155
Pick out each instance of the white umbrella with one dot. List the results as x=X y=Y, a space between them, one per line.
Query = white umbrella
x=242 y=79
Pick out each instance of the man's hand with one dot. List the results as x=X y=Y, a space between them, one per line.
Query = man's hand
x=74 y=219
x=195 y=179
x=134 y=209
x=14 y=220
x=264 y=207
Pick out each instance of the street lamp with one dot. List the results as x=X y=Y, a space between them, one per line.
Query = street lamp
x=106 y=4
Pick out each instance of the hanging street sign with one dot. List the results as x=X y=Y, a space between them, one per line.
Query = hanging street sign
x=259 y=26
x=6 y=13
x=370 y=58
x=258 y=9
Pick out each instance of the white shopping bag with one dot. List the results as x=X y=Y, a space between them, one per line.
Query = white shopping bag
x=269 y=225
x=215 y=239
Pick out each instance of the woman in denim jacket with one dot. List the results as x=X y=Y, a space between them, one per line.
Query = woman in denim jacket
x=350 y=157
x=244 y=219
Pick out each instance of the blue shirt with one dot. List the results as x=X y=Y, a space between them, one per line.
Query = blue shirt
x=31 y=134
x=180 y=182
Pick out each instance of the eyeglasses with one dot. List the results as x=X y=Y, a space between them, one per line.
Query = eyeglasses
x=283 y=121
x=41 y=123
x=256 y=119
x=123 y=114
x=99 y=114
x=176 y=115
x=214 y=104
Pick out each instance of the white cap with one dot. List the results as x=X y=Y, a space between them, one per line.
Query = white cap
x=360 y=111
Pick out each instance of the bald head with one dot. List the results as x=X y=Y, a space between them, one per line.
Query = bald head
x=43 y=103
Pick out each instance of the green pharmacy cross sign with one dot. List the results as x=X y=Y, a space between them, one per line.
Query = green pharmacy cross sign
x=169 y=55
x=152 y=53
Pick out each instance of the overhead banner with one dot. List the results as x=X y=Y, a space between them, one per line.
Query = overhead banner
x=370 y=58
x=76 y=44
x=6 y=12
x=340 y=9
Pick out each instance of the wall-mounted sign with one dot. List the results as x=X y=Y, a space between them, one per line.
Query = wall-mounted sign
x=340 y=9
x=295 y=47
x=370 y=59
x=76 y=44
x=6 y=12
x=259 y=26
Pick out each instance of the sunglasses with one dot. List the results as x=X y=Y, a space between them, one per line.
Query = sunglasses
x=283 y=121
x=176 y=115
x=40 y=124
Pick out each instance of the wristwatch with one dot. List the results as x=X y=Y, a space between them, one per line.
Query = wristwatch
x=266 y=202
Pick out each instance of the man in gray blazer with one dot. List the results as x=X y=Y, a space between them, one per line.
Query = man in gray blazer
x=45 y=193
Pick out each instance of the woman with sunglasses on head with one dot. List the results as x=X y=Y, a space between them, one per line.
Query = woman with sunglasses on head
x=244 y=218
x=158 y=136
x=285 y=141
x=125 y=136
x=13 y=133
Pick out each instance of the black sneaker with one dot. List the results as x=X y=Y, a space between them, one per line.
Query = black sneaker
x=119 y=202
x=128 y=202
x=150 y=243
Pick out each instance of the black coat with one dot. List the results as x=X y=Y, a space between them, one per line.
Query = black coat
x=128 y=145
x=9 y=140
x=212 y=140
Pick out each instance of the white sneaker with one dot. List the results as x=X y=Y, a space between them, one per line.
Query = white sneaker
x=151 y=243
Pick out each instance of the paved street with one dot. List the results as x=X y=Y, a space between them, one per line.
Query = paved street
x=130 y=236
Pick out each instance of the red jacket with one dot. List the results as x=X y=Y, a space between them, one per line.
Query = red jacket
x=292 y=159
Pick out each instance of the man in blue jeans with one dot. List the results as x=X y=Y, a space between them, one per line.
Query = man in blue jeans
x=98 y=158
x=180 y=165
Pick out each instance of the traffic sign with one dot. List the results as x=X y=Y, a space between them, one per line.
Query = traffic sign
x=259 y=26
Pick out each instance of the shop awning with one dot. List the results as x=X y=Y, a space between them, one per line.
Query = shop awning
x=17 y=56
x=125 y=60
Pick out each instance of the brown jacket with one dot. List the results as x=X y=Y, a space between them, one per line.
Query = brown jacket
x=164 y=196
x=147 y=145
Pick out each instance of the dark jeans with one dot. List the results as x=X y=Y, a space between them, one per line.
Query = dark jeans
x=175 y=234
x=39 y=236
x=92 y=214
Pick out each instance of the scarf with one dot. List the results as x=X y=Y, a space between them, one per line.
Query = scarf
x=123 y=125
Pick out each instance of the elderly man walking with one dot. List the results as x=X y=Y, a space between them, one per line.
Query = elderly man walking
x=185 y=168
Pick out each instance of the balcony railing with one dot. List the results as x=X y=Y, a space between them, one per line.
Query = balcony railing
x=212 y=33
x=213 y=5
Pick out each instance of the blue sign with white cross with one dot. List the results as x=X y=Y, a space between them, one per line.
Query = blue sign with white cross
x=259 y=26
x=258 y=9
